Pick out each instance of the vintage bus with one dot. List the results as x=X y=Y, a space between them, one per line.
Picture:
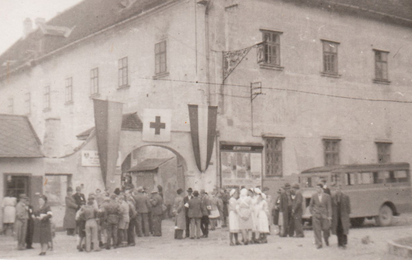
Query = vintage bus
x=378 y=191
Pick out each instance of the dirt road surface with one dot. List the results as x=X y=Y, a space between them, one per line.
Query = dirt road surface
x=217 y=246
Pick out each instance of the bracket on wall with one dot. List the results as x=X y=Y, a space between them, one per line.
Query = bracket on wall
x=255 y=90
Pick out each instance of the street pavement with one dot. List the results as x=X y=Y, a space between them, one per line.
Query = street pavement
x=217 y=246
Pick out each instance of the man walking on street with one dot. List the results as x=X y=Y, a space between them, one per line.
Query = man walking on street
x=321 y=209
x=186 y=200
x=340 y=216
x=297 y=210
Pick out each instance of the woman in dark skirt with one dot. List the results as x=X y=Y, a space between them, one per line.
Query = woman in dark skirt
x=42 y=227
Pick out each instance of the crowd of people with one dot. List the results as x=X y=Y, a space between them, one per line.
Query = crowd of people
x=113 y=220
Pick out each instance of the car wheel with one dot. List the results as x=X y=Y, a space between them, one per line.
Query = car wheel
x=385 y=216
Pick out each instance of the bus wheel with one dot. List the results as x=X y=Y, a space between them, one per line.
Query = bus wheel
x=385 y=216
x=357 y=222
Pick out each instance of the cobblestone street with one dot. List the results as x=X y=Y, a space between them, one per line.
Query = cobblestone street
x=217 y=246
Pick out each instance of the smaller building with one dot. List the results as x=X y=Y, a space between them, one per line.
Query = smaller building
x=21 y=159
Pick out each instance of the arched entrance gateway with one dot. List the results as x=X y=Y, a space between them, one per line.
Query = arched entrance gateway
x=151 y=166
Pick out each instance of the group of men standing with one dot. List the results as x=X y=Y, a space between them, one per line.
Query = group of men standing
x=199 y=212
x=329 y=213
x=114 y=220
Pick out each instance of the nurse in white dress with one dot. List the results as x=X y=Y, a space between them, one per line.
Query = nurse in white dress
x=233 y=218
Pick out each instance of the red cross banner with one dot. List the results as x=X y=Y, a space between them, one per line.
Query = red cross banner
x=157 y=125
x=203 y=132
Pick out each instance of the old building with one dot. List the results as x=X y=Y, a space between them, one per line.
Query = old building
x=297 y=83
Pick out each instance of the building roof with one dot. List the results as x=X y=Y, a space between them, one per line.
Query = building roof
x=82 y=20
x=91 y=16
x=18 y=138
x=130 y=122
x=149 y=165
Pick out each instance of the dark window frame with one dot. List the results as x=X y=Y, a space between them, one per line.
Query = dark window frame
x=270 y=50
x=381 y=66
x=123 y=72
x=383 y=150
x=161 y=58
x=331 y=155
x=273 y=156
x=330 y=58
x=94 y=81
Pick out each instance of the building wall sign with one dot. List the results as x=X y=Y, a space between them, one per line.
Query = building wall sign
x=241 y=165
x=90 y=158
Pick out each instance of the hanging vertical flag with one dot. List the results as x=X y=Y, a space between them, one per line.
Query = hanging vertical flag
x=157 y=125
x=203 y=133
x=108 y=121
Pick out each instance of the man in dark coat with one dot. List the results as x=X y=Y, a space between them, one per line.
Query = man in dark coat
x=79 y=197
x=195 y=215
x=142 y=208
x=186 y=200
x=320 y=207
x=340 y=216
x=285 y=208
x=297 y=210
x=30 y=227
x=157 y=212
x=206 y=208
x=111 y=216
x=69 y=221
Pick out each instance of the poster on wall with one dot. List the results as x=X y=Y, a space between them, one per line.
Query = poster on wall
x=90 y=158
x=241 y=165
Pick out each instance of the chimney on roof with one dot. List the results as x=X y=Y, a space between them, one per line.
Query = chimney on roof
x=39 y=21
x=27 y=27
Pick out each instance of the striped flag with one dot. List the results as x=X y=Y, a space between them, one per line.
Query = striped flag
x=203 y=132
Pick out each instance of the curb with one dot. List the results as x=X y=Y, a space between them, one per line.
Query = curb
x=399 y=250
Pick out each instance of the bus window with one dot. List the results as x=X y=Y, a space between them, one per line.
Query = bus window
x=365 y=178
x=378 y=177
x=350 y=178
x=401 y=176
x=390 y=178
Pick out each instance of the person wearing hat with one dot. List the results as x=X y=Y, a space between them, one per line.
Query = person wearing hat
x=233 y=217
x=340 y=215
x=186 y=200
x=195 y=215
x=157 y=212
x=297 y=210
x=285 y=208
x=275 y=211
x=111 y=217
x=206 y=207
x=69 y=221
x=20 y=223
x=79 y=197
x=262 y=219
x=142 y=208
x=124 y=221
x=320 y=207
x=180 y=215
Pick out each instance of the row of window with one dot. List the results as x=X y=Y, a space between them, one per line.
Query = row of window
x=269 y=54
x=274 y=154
x=123 y=80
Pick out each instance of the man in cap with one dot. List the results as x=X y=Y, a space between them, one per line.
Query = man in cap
x=297 y=210
x=157 y=212
x=111 y=217
x=79 y=197
x=142 y=208
x=186 y=200
x=285 y=208
x=20 y=224
x=320 y=207
x=340 y=216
